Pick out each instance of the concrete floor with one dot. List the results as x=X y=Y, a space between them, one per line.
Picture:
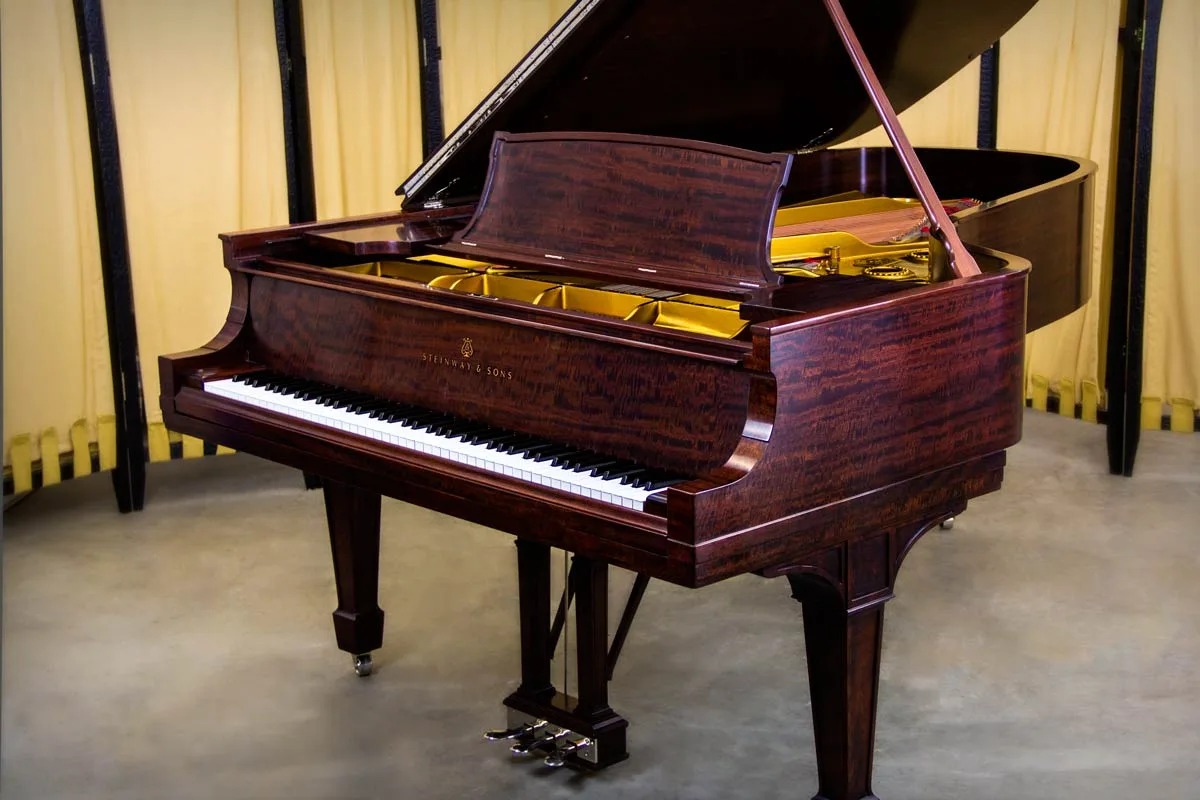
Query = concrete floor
x=1045 y=648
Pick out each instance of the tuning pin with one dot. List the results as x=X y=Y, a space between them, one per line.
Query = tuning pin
x=514 y=733
x=559 y=757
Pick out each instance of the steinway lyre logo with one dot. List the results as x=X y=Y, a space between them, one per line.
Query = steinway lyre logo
x=466 y=349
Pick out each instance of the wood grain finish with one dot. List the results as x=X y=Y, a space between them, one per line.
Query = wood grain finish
x=843 y=590
x=591 y=394
x=823 y=446
x=353 y=516
x=880 y=376
x=682 y=210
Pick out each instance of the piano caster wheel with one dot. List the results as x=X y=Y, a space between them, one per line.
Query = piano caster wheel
x=362 y=665
x=948 y=524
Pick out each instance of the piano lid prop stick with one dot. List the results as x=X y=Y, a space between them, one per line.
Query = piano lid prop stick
x=962 y=263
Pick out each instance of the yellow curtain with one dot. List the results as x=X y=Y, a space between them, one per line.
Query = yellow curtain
x=1057 y=82
x=481 y=41
x=198 y=104
x=1057 y=92
x=947 y=117
x=1172 y=343
x=364 y=93
x=57 y=380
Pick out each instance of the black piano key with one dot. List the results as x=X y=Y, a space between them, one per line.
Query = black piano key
x=386 y=410
x=617 y=469
x=628 y=478
x=512 y=445
x=554 y=453
x=467 y=431
x=537 y=449
x=290 y=385
x=403 y=412
x=312 y=391
x=445 y=427
x=589 y=464
x=330 y=397
x=427 y=421
x=572 y=459
x=484 y=435
x=532 y=444
x=441 y=425
x=370 y=405
x=495 y=443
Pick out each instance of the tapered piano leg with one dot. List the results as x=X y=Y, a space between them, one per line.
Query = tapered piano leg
x=843 y=650
x=843 y=591
x=353 y=516
x=533 y=579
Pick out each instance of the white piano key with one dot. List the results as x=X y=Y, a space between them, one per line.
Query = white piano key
x=448 y=447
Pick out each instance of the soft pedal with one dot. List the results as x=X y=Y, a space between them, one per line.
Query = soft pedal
x=515 y=732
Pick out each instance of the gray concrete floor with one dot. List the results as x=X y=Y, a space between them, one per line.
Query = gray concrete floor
x=1045 y=648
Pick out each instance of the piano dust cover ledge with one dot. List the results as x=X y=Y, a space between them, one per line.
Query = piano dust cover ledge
x=636 y=308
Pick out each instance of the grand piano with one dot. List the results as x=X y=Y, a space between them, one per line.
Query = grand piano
x=635 y=307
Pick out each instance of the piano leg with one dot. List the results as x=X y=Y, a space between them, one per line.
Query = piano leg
x=590 y=734
x=843 y=591
x=843 y=679
x=533 y=579
x=353 y=516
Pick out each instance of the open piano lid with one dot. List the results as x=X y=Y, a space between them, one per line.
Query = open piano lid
x=765 y=75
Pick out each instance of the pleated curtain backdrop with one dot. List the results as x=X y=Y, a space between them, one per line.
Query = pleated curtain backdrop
x=196 y=89
x=947 y=117
x=57 y=380
x=364 y=93
x=481 y=41
x=1058 y=73
x=1171 y=377
x=198 y=104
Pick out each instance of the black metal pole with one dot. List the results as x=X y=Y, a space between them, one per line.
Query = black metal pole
x=297 y=119
x=129 y=477
x=989 y=95
x=432 y=125
x=297 y=125
x=1126 y=320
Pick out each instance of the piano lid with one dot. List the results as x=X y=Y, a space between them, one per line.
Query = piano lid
x=765 y=75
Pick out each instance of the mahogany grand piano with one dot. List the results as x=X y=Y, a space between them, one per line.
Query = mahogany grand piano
x=636 y=308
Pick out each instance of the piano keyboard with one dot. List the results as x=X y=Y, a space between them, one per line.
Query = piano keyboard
x=505 y=452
